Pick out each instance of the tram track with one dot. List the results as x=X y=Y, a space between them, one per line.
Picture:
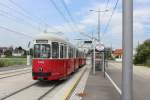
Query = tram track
x=22 y=89
x=31 y=87
x=47 y=92
x=14 y=73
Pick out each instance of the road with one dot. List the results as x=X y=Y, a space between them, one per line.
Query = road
x=13 y=67
x=141 y=79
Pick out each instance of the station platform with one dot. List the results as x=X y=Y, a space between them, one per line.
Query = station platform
x=94 y=87
x=99 y=88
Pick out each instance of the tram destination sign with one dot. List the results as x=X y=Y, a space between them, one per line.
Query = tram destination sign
x=41 y=41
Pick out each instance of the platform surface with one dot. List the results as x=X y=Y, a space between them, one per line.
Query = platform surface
x=99 y=88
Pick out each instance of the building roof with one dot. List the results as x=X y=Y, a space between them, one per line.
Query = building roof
x=117 y=51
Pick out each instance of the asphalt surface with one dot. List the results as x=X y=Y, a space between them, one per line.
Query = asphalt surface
x=100 y=88
x=141 y=87
x=13 y=67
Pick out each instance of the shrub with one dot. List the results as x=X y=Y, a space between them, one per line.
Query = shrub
x=148 y=62
x=12 y=62
x=2 y=63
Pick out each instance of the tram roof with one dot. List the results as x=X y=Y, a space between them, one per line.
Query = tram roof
x=51 y=37
x=55 y=38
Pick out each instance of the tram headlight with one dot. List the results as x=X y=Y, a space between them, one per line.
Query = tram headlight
x=40 y=69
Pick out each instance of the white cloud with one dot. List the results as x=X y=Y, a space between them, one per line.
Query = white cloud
x=141 y=16
x=143 y=1
x=68 y=1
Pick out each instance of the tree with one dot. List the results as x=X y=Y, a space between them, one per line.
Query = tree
x=20 y=48
x=142 y=55
x=8 y=53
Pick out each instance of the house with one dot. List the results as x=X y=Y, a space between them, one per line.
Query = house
x=3 y=51
x=18 y=52
x=117 y=53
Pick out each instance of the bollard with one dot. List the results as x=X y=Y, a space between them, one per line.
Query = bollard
x=28 y=60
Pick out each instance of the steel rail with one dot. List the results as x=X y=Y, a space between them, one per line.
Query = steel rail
x=14 y=75
x=47 y=92
x=22 y=89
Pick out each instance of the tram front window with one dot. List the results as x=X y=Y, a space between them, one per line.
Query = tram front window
x=42 y=51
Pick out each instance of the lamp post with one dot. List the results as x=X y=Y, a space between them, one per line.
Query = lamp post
x=98 y=26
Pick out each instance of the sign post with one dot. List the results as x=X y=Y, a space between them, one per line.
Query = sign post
x=100 y=47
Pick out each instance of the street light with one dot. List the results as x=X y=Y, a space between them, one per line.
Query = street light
x=98 y=28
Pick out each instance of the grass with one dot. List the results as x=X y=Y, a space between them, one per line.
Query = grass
x=4 y=62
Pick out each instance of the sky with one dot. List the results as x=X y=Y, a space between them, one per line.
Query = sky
x=31 y=17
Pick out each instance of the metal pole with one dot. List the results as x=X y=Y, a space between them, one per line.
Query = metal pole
x=28 y=54
x=98 y=28
x=103 y=62
x=93 y=57
x=28 y=57
x=127 y=70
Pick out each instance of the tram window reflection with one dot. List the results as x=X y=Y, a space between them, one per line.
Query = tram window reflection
x=42 y=51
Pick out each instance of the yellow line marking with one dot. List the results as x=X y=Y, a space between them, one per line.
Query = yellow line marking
x=73 y=85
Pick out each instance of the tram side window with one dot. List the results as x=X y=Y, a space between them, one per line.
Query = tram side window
x=69 y=52
x=65 y=51
x=55 y=50
x=72 y=54
x=61 y=51
x=77 y=54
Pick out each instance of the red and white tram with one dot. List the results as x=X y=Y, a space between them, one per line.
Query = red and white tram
x=55 y=58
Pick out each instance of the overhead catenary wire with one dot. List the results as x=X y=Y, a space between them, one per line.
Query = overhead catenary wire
x=70 y=15
x=15 y=32
x=62 y=14
x=17 y=19
x=73 y=21
x=68 y=12
x=24 y=17
x=31 y=16
x=113 y=12
x=107 y=3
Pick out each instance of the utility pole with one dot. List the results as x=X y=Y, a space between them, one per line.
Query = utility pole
x=127 y=69
x=98 y=26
